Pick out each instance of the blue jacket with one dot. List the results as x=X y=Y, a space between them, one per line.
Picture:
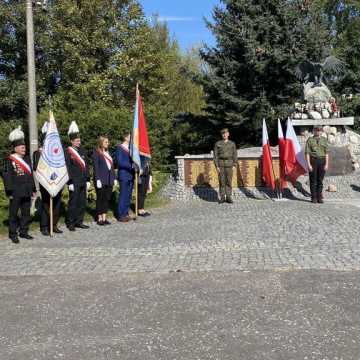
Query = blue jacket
x=101 y=170
x=124 y=164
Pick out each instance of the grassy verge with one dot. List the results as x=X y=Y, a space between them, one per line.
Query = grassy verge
x=154 y=200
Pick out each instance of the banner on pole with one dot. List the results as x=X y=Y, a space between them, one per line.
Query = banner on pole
x=51 y=171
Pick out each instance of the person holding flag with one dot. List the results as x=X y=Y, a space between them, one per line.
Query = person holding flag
x=50 y=206
x=79 y=179
x=19 y=187
x=145 y=177
x=125 y=176
x=282 y=150
x=104 y=177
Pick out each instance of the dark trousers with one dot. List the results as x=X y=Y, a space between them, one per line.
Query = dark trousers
x=316 y=177
x=126 y=187
x=45 y=209
x=103 y=197
x=142 y=190
x=77 y=205
x=225 y=182
x=23 y=204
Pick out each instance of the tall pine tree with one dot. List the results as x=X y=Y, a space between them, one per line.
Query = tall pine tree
x=251 y=70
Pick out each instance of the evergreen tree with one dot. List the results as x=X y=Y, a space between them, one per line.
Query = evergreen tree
x=251 y=70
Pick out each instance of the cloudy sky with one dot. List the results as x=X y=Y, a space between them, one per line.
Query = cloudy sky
x=184 y=18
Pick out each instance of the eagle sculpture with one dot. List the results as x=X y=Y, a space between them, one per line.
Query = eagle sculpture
x=331 y=68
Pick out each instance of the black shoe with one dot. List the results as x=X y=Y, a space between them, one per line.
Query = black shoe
x=45 y=232
x=14 y=239
x=106 y=222
x=26 y=236
x=221 y=201
x=314 y=201
x=144 y=214
x=229 y=201
x=57 y=230
x=100 y=223
x=82 y=226
x=71 y=228
x=320 y=201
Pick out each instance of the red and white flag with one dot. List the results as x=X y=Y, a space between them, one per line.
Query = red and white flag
x=267 y=165
x=295 y=163
x=282 y=149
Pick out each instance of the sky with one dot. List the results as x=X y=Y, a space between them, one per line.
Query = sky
x=185 y=19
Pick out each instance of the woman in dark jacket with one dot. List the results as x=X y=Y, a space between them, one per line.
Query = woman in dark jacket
x=104 y=176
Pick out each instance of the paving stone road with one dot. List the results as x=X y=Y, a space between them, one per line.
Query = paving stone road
x=258 y=280
x=201 y=236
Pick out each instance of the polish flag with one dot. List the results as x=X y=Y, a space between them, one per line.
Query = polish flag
x=282 y=150
x=295 y=163
x=267 y=166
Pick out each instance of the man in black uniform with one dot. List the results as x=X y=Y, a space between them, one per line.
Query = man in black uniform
x=45 y=196
x=79 y=180
x=19 y=187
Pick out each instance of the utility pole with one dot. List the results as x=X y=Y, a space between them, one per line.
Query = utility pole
x=33 y=132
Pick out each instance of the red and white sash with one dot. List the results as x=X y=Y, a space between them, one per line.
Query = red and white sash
x=21 y=162
x=76 y=156
x=108 y=159
x=125 y=147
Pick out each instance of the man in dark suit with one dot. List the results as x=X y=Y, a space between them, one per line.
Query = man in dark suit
x=19 y=187
x=79 y=180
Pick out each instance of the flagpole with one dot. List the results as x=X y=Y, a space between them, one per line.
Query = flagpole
x=51 y=217
x=136 y=194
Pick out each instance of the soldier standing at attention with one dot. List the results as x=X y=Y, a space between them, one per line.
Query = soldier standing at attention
x=317 y=157
x=225 y=158
x=79 y=179
x=19 y=187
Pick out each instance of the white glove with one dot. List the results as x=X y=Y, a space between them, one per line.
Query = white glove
x=98 y=184
x=88 y=185
x=116 y=183
x=150 y=189
x=71 y=187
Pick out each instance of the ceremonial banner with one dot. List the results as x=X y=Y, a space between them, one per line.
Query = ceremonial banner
x=144 y=146
x=51 y=171
x=267 y=165
x=282 y=148
x=134 y=144
x=295 y=163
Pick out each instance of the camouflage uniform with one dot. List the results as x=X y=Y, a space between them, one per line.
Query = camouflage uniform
x=317 y=149
x=225 y=157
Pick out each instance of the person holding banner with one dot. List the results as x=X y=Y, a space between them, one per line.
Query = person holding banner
x=104 y=177
x=79 y=179
x=126 y=178
x=144 y=185
x=19 y=187
x=45 y=196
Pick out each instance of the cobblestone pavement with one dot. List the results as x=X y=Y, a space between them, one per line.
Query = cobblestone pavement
x=201 y=236
x=312 y=315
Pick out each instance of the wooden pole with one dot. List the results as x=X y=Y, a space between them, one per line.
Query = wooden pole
x=51 y=217
x=136 y=194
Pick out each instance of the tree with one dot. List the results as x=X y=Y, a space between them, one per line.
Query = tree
x=251 y=70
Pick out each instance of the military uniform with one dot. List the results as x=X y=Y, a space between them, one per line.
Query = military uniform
x=79 y=177
x=317 y=148
x=19 y=187
x=225 y=158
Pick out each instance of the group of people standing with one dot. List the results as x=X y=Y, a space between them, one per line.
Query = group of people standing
x=18 y=176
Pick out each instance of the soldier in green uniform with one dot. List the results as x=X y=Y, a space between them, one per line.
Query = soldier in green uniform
x=317 y=157
x=225 y=158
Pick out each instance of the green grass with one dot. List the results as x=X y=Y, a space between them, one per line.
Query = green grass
x=153 y=201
